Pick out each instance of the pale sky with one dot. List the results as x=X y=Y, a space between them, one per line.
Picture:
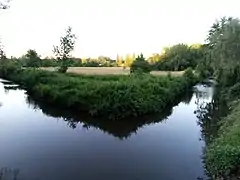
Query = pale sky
x=108 y=27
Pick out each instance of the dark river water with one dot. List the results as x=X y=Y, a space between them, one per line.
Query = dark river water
x=40 y=142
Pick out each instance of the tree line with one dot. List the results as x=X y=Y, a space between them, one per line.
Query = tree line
x=175 y=58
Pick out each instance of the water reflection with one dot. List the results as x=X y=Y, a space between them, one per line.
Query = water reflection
x=9 y=174
x=121 y=129
x=209 y=113
x=46 y=150
x=8 y=85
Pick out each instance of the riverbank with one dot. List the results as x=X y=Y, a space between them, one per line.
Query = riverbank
x=108 y=96
x=222 y=156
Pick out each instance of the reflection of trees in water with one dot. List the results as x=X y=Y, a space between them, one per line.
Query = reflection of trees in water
x=210 y=109
x=119 y=128
x=9 y=174
x=9 y=87
x=203 y=93
x=187 y=97
x=209 y=114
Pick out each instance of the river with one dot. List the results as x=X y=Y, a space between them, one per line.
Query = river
x=39 y=142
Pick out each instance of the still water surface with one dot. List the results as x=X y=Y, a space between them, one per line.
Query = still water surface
x=39 y=142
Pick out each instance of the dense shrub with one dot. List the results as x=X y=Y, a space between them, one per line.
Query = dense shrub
x=189 y=75
x=8 y=68
x=109 y=96
x=140 y=65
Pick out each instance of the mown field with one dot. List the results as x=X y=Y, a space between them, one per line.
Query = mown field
x=110 y=70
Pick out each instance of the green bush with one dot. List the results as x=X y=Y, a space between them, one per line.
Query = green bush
x=189 y=75
x=140 y=65
x=109 y=96
x=8 y=68
x=62 y=69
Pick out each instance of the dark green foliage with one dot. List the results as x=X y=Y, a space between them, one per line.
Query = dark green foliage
x=140 y=65
x=189 y=75
x=234 y=92
x=204 y=70
x=223 y=154
x=49 y=63
x=63 y=68
x=228 y=77
x=179 y=57
x=112 y=97
x=9 y=67
x=32 y=59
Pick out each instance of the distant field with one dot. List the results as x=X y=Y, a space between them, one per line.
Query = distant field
x=111 y=70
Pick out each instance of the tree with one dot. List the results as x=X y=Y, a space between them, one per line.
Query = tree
x=154 y=58
x=178 y=57
x=2 y=52
x=224 y=42
x=32 y=59
x=64 y=50
x=128 y=60
x=140 y=65
x=103 y=60
x=119 y=61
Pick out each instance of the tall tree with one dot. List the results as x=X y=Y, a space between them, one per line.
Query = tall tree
x=64 y=50
x=224 y=42
x=32 y=58
x=119 y=60
x=176 y=58
x=129 y=60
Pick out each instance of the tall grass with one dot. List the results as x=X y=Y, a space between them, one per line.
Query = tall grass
x=109 y=96
x=222 y=156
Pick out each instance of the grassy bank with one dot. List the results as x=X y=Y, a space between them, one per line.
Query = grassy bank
x=223 y=153
x=109 y=96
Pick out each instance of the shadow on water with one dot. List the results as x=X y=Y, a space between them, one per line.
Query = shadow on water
x=121 y=129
